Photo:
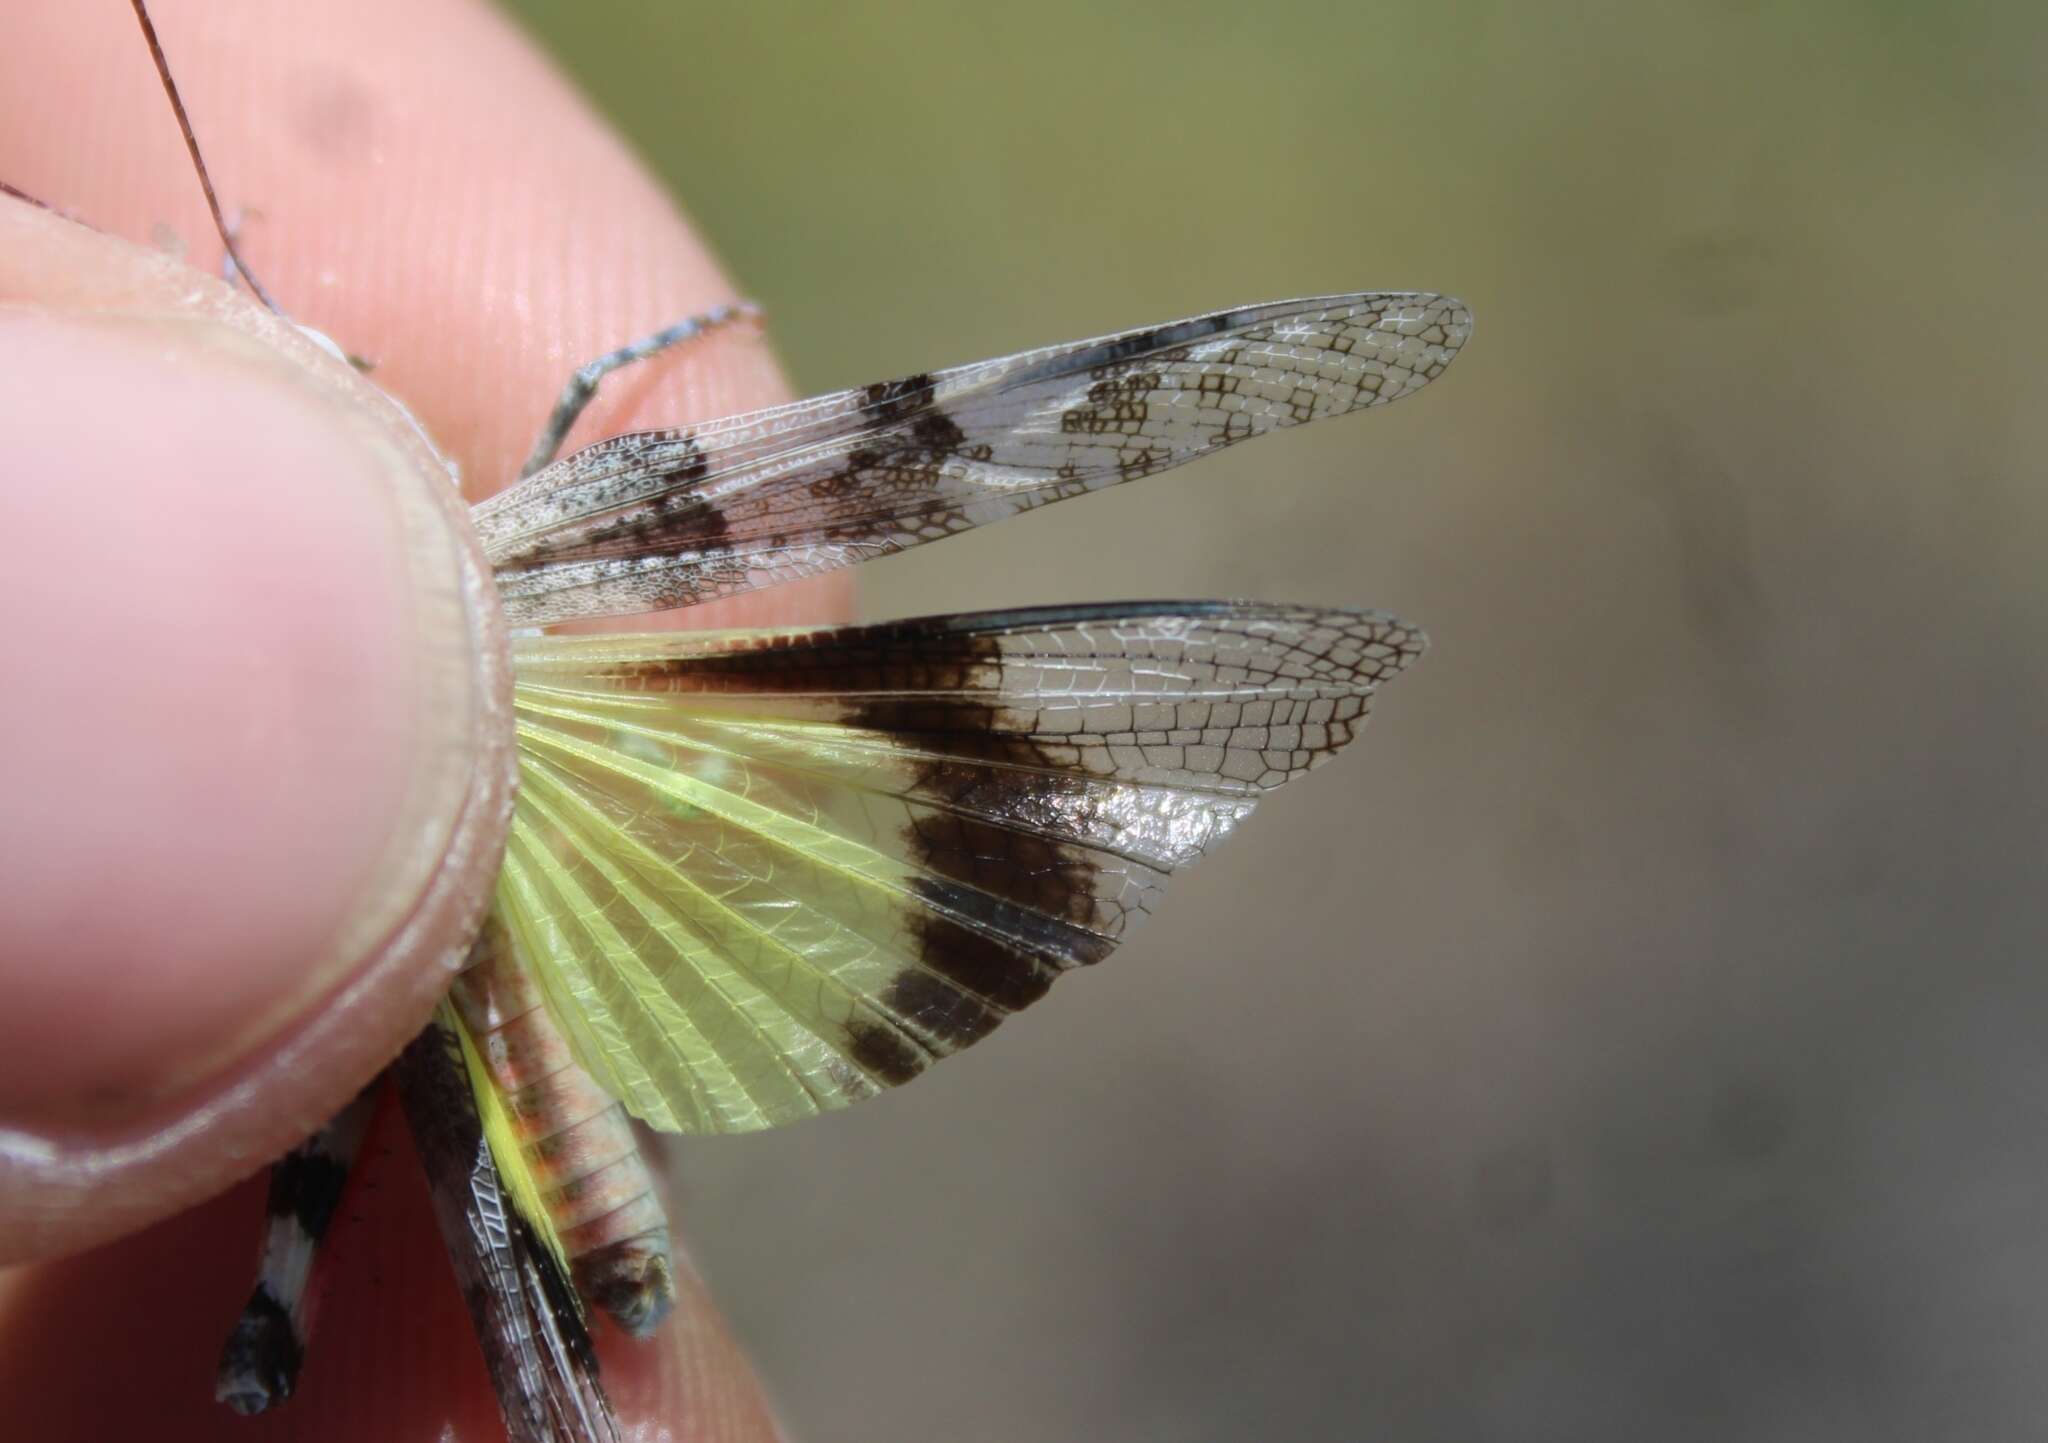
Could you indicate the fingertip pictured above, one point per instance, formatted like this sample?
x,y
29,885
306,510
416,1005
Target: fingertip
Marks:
x,y
233,761
256,802
391,1356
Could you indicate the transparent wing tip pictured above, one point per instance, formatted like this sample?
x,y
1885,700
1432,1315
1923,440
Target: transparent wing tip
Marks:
x,y
1432,319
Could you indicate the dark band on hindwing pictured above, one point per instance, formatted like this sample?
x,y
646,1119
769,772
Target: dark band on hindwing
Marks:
x,y
984,882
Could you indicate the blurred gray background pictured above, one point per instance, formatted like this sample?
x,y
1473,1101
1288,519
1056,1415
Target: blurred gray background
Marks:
x,y
1639,1035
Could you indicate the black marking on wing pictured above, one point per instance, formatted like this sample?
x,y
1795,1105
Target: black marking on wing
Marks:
x,y
793,491
951,1017
913,438
1039,824
991,883
891,402
1183,333
957,809
987,881
1031,871
676,516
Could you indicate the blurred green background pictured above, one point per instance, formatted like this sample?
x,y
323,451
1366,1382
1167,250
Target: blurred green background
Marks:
x,y
1638,1037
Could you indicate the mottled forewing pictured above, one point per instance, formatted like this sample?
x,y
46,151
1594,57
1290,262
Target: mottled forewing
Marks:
x,y
527,1320
761,875
661,519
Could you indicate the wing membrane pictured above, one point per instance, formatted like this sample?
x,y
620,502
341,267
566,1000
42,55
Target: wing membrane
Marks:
x,y
764,874
660,519
528,1322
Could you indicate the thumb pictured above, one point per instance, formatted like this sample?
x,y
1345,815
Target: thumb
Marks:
x,y
256,758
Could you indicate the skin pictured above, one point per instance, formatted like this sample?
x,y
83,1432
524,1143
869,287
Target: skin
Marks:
x,y
223,919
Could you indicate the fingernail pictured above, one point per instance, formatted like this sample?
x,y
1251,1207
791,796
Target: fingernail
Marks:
x,y
241,685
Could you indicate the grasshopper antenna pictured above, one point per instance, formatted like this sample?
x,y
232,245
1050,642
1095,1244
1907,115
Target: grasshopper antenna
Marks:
x,y
227,237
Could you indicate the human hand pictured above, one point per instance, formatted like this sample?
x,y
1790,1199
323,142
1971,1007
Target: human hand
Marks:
x,y
252,760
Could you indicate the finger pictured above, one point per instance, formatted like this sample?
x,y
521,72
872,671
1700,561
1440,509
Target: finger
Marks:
x,y
432,197
260,772
393,1358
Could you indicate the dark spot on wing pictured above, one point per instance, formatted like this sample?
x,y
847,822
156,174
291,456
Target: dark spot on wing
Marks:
x,y
1117,405
936,432
763,665
961,937
891,660
898,461
961,735
676,519
1158,338
920,683
884,1053
939,1010
1005,907
889,402
968,980
693,468
1041,873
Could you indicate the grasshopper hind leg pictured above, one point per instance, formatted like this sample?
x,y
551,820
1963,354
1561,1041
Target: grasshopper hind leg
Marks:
x,y
259,1365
